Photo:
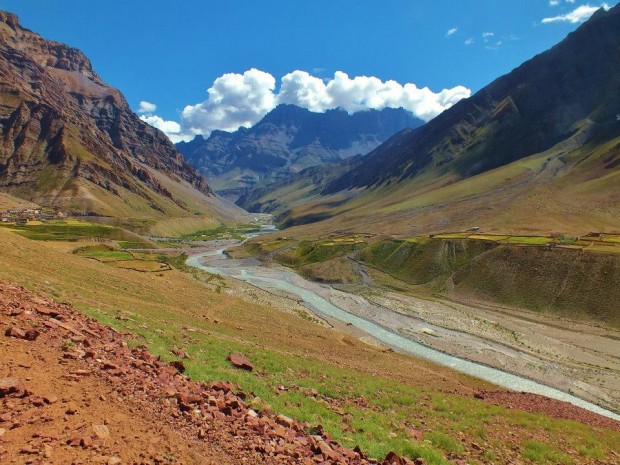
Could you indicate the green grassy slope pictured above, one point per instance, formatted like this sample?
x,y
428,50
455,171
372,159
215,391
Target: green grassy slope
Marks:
x,y
359,393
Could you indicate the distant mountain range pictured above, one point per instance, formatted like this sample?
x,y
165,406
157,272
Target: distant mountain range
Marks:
x,y
68,140
287,140
537,149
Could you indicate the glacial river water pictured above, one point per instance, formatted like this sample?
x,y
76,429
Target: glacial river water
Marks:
x,y
269,279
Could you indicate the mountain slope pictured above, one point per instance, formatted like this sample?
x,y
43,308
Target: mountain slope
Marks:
x,y
287,140
571,88
538,149
70,141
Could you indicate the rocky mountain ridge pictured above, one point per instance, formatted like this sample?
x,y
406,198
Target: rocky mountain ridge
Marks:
x,y
287,140
70,141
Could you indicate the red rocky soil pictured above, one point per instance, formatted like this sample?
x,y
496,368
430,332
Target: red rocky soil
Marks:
x,y
554,408
73,392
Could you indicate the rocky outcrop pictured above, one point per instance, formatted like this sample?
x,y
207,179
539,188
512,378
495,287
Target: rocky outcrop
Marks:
x,y
64,132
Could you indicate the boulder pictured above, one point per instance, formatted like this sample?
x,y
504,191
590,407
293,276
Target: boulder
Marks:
x,y
8,386
239,361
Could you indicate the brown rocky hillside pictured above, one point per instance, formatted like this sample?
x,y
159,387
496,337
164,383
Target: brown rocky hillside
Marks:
x,y
69,140
71,391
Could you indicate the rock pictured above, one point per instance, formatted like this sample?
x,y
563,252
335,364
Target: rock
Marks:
x,y
8,386
180,353
80,372
327,450
101,431
419,461
47,312
32,334
50,399
239,361
178,365
109,365
392,458
13,331
37,401
28,335
29,451
415,434
51,435
285,421
71,410
2,431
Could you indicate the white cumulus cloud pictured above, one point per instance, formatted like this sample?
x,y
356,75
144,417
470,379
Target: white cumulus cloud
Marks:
x,y
451,31
578,15
554,2
147,107
365,92
236,100
172,129
304,90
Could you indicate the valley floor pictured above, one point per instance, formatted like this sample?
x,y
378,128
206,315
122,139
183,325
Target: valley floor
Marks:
x,y
360,393
575,357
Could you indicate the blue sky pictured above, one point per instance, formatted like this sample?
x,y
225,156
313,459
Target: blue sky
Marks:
x,y
169,53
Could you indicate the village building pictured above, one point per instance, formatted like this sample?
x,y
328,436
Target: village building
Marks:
x,y
13,215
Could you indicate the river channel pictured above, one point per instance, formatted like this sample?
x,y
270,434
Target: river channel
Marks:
x,y
311,296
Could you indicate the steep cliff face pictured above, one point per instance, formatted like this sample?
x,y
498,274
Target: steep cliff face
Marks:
x,y
69,140
287,140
